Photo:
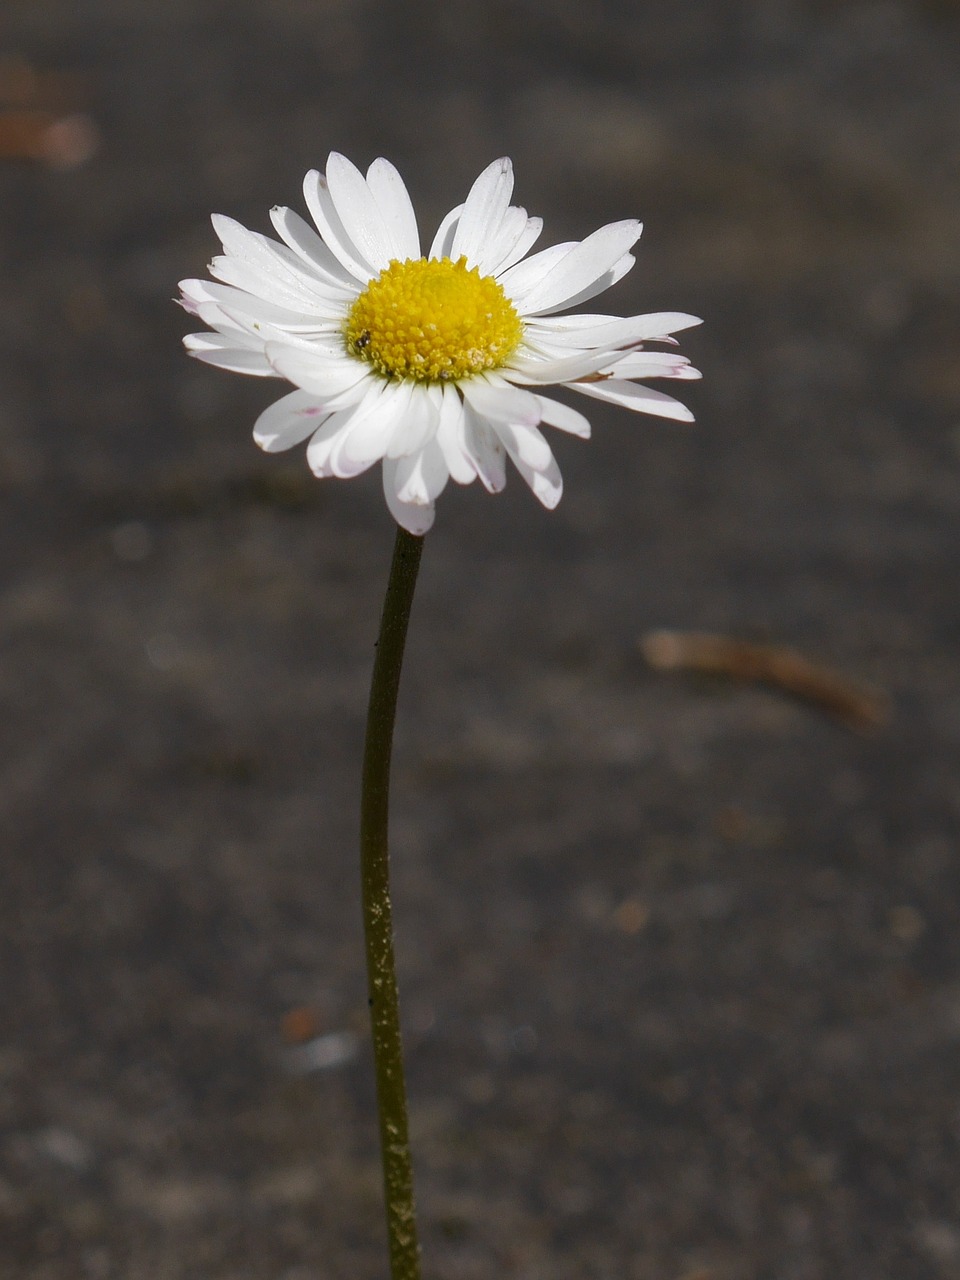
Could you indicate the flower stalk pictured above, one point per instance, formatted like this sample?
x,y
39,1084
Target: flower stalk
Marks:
x,y
377,914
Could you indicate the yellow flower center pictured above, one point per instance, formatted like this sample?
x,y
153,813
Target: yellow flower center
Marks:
x,y
433,320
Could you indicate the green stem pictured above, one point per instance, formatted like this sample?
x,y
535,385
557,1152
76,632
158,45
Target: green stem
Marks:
x,y
377,920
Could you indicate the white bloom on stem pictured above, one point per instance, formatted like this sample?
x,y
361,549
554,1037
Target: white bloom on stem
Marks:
x,y
434,365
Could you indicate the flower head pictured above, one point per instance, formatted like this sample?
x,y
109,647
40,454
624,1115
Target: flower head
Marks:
x,y
433,364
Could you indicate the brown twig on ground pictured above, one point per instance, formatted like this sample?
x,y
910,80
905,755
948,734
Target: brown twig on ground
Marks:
x,y
63,141
781,668
39,116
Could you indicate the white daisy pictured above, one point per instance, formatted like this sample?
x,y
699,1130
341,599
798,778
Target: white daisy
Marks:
x,y
434,365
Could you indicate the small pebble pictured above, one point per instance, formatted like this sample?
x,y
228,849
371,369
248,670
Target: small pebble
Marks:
x,y
322,1053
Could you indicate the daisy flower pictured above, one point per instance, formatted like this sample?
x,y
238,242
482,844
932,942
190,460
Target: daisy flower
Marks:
x,y
433,364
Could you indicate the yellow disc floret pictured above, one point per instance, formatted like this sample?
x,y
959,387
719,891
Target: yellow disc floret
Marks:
x,y
433,320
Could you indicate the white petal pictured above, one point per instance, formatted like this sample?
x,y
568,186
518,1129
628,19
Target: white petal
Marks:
x,y
421,417
218,319
616,272
324,214
217,305
226,353
422,477
564,418
485,450
193,293
324,311
534,460
247,330
395,205
519,279
443,240
654,364
483,211
348,442
550,372
324,441
526,444
289,421
451,439
359,212
501,402
579,321
610,331
413,517
581,269
316,257
275,265
189,304
512,226
235,338
314,373
296,283
260,309
525,241
631,395
371,430
324,344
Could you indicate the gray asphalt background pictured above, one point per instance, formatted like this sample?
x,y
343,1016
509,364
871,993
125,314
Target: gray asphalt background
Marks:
x,y
679,959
